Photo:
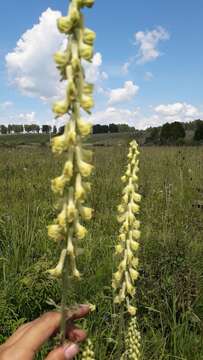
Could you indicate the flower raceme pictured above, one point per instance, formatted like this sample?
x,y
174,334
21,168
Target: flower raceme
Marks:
x,y
70,186
126,249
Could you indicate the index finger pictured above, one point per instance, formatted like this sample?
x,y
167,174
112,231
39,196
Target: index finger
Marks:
x,y
45,327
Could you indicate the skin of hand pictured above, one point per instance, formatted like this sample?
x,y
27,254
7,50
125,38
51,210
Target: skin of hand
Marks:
x,y
27,340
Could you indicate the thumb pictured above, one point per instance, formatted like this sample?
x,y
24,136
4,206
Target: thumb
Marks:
x,y
67,352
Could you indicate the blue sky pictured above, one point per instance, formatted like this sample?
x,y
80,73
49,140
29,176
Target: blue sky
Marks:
x,y
148,65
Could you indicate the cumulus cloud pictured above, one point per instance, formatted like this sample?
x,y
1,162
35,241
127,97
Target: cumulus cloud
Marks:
x,y
179,111
31,67
147,42
126,93
116,116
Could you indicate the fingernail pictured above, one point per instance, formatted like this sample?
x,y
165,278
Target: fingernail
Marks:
x,y
70,351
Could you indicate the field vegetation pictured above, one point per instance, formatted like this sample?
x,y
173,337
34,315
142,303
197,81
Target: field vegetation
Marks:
x,y
170,290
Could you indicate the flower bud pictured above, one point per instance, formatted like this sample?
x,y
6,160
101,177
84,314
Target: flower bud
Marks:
x,y
86,213
84,127
61,58
60,108
80,231
58,184
55,232
86,51
89,36
87,102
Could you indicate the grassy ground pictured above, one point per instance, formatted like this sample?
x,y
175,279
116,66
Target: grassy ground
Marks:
x,y
170,290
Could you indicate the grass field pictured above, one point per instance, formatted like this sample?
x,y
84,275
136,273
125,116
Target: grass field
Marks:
x,y
170,287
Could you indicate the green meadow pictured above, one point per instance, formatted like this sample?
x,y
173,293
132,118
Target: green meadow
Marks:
x,y
170,287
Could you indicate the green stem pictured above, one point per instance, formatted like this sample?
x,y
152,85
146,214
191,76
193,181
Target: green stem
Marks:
x,y
64,287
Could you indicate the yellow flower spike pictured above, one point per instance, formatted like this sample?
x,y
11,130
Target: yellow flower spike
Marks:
x,y
60,108
88,353
70,186
58,184
55,232
89,36
85,128
123,280
132,339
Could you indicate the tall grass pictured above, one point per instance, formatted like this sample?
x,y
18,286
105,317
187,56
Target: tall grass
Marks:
x,y
170,294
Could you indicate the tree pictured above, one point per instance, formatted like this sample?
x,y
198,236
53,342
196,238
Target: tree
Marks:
x,y
61,130
198,135
170,133
54,130
46,129
113,128
3,129
100,129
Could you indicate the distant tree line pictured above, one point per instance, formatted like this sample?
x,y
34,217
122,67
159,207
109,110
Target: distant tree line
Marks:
x,y
104,129
175,133
33,128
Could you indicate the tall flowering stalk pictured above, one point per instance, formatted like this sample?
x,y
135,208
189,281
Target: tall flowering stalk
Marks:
x,y
71,186
124,278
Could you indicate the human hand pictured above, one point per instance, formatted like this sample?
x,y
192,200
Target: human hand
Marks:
x,y
28,339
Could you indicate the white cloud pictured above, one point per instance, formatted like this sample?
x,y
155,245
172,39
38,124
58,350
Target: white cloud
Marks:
x,y
31,67
27,118
116,116
179,111
148,42
126,93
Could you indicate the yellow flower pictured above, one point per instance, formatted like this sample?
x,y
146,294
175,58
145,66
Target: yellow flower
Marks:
x,y
64,24
60,108
84,127
61,218
88,88
86,51
71,91
68,169
132,310
118,276
87,102
59,144
86,212
134,245
135,208
80,231
85,169
135,262
119,249
79,189
130,288
57,271
88,3
133,274
136,234
137,197
71,211
89,36
61,58
58,184
55,232
76,274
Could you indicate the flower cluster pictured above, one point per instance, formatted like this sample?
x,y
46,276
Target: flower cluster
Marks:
x,y
126,249
71,186
132,342
88,352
